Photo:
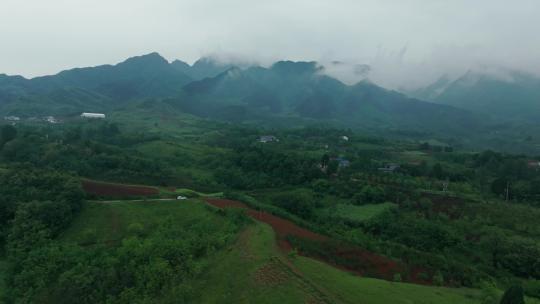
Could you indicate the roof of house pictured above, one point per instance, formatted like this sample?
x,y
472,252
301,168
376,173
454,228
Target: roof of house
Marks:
x,y
390,167
92,114
267,138
533,163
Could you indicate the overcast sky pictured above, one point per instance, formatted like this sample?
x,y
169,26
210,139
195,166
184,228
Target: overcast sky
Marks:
x,y
406,42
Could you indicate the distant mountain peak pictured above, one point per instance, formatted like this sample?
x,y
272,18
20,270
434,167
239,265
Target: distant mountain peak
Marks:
x,y
297,67
180,63
151,58
208,61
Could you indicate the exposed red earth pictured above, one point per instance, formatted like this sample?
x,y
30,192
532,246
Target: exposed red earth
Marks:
x,y
363,262
282,227
116,190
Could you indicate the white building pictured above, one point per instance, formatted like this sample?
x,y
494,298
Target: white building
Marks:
x,y
51,119
12,118
93,115
268,138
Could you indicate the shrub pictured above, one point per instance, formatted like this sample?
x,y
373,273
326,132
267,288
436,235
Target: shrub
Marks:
x,y
532,288
136,229
89,236
423,276
513,295
293,253
438,279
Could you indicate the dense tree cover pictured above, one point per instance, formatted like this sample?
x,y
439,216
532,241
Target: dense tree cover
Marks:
x,y
300,203
257,167
35,205
99,151
48,197
37,201
512,172
417,233
142,269
444,222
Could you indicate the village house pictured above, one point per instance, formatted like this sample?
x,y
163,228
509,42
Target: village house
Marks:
x,y
93,115
12,118
533,164
268,138
389,168
342,162
51,119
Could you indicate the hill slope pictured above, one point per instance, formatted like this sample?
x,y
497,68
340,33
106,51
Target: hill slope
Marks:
x,y
299,89
505,94
257,272
292,90
137,77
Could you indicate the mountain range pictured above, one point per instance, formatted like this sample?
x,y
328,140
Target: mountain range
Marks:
x,y
502,94
283,92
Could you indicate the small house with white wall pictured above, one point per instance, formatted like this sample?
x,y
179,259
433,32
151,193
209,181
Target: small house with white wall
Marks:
x,y
93,115
268,138
12,118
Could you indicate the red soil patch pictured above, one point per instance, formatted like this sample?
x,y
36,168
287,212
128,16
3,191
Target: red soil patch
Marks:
x,y
359,261
282,227
385,268
224,203
106,189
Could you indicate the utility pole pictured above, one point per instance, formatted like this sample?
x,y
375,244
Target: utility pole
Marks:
x,y
445,184
507,190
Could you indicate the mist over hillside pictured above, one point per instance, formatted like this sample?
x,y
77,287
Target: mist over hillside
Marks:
x,y
502,93
211,88
284,94
285,151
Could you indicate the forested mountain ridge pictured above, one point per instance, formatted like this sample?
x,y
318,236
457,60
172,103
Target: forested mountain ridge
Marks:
x,y
298,88
504,94
286,94
301,89
137,77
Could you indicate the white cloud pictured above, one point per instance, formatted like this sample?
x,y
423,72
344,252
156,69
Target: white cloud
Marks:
x,y
42,37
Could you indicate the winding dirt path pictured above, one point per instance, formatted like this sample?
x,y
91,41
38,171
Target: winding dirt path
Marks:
x,y
357,260
282,227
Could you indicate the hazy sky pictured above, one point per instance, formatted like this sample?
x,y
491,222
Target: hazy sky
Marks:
x,y
406,42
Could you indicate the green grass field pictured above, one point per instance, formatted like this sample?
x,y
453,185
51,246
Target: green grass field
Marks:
x,y
348,288
253,271
111,222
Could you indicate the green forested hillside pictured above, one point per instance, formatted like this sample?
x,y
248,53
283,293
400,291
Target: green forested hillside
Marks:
x,y
506,94
286,94
439,217
287,91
